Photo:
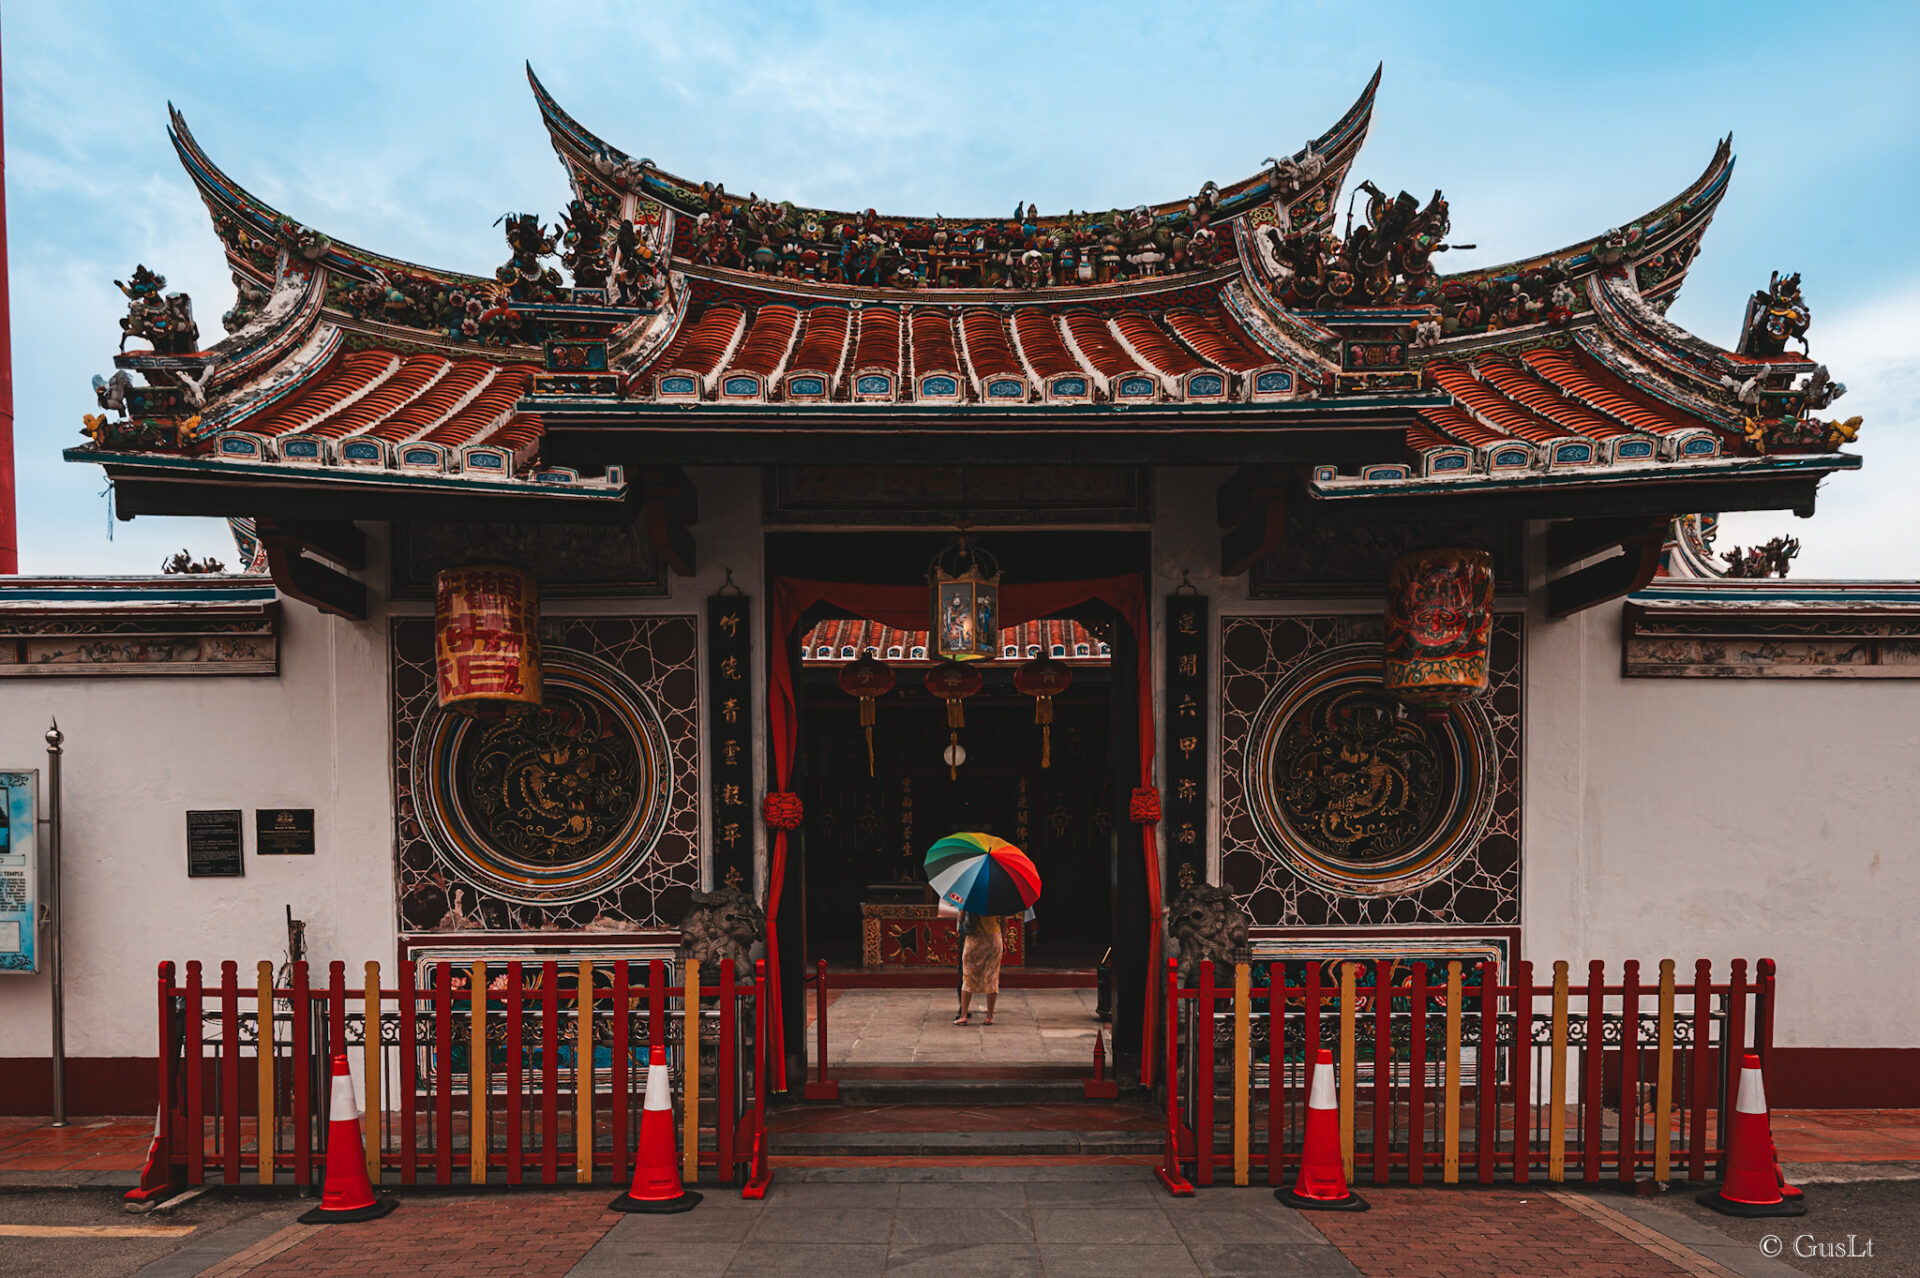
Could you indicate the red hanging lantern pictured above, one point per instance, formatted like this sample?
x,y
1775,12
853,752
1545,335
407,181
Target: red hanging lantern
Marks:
x,y
953,683
1439,622
1043,679
486,639
867,679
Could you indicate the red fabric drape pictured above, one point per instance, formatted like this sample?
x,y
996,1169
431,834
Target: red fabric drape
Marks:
x,y
905,608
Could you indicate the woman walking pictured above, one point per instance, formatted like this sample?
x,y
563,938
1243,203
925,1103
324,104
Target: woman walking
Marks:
x,y
982,943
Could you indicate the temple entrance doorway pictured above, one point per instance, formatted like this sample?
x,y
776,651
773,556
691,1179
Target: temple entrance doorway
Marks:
x,y
855,883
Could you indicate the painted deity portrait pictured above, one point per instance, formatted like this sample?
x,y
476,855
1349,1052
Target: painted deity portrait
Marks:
x,y
956,619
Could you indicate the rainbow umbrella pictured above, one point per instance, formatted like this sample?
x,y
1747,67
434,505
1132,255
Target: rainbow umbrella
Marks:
x,y
980,874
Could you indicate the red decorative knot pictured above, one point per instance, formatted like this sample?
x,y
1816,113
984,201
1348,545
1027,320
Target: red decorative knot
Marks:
x,y
782,810
1144,809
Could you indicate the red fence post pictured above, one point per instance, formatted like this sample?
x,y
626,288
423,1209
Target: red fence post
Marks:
x,y
550,1079
1700,1062
1763,1008
1732,1048
622,1101
160,1169
726,1096
300,1065
515,1063
1203,1076
1522,1071
336,1011
822,1088
1593,1062
1276,1068
229,1119
1417,1075
409,1080
443,1072
1629,1069
195,1067
1169,1172
1487,1106
1382,1070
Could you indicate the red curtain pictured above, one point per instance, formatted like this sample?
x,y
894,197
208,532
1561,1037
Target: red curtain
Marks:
x,y
906,608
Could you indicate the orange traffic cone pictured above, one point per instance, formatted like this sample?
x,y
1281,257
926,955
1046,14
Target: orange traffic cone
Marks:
x,y
656,1169
348,1194
1752,1183
1323,1180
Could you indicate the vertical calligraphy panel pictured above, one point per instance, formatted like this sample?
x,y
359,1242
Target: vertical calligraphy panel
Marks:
x,y
1185,719
730,734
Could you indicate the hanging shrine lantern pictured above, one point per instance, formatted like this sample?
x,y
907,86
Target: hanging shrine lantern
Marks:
x,y
1439,622
953,683
965,618
486,640
1043,679
867,679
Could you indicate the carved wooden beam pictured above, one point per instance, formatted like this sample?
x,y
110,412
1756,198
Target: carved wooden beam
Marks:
x,y
1610,578
1252,506
1575,539
294,552
669,502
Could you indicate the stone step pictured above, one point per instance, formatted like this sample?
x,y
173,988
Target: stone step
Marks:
x,y
972,1143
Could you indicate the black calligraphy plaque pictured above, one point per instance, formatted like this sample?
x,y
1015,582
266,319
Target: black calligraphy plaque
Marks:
x,y
283,831
214,849
1184,804
730,732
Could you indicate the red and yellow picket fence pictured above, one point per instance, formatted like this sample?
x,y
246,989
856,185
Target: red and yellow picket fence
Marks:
x,y
1450,1075
504,1094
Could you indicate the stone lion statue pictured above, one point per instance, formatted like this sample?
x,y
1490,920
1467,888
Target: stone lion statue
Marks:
x,y
1204,923
721,925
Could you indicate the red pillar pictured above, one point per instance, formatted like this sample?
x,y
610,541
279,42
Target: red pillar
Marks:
x,y
9,534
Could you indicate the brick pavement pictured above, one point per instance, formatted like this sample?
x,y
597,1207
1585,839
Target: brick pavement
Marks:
x,y
468,1236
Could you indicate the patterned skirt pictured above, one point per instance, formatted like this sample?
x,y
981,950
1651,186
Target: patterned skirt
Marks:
x,y
980,957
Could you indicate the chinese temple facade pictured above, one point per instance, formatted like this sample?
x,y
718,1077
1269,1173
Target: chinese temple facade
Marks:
x,y
1380,598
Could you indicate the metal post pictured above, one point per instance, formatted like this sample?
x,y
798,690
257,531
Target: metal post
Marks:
x,y
54,956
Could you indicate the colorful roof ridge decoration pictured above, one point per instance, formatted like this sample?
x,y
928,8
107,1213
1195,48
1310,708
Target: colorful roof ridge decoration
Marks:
x,y
841,641
1238,317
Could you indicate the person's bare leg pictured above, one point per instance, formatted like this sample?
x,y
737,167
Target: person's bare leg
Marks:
x,y
966,1000
991,1000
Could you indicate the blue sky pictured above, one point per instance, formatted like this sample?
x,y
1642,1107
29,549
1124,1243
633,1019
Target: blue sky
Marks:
x,y
408,128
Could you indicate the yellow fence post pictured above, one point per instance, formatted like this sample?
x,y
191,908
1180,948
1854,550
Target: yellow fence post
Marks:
x,y
372,1053
265,1127
690,1076
1242,1071
477,1072
1557,1086
1451,1169
1347,1069
583,1075
1663,1087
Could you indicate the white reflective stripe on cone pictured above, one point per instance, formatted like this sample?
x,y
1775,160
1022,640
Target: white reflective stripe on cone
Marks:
x,y
1322,1097
1753,1097
659,1095
345,1107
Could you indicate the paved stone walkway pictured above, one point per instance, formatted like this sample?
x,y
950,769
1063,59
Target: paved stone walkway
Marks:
x,y
915,1027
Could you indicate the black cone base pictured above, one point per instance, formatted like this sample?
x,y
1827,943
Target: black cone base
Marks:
x,y
687,1201
1727,1207
372,1211
1352,1202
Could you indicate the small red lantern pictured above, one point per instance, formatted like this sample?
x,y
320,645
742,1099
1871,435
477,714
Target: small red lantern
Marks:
x,y
953,683
1043,679
867,679
1439,622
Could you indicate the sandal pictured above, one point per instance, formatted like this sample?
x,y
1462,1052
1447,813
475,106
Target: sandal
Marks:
x,y
964,1019
989,1019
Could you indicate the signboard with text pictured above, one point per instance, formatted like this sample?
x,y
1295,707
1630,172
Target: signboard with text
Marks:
x,y
19,870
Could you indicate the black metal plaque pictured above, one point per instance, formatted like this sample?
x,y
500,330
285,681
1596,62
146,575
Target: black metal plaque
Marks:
x,y
283,831
214,849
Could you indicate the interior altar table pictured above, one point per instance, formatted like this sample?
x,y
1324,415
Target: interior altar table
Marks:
x,y
899,934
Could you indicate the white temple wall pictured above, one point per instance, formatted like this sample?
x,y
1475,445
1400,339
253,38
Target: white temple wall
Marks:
x,y
1724,818
141,752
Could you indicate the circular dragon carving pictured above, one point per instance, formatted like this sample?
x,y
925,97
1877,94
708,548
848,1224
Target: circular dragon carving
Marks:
x,y
556,804
1353,791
